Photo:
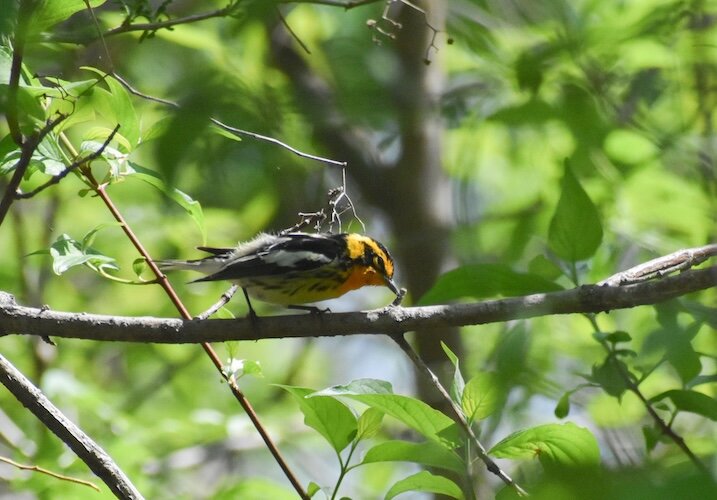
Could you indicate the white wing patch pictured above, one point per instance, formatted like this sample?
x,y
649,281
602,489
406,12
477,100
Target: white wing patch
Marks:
x,y
290,259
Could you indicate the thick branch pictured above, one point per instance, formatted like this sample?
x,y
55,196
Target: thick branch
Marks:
x,y
81,444
15,319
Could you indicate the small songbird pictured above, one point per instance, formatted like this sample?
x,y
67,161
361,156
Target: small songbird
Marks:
x,y
297,268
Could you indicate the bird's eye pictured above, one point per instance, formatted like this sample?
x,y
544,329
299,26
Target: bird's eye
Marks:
x,y
378,264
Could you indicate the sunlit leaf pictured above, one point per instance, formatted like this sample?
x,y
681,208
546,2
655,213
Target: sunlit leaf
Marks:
x,y
191,206
458,383
565,444
369,423
416,414
426,482
482,396
429,454
328,416
47,13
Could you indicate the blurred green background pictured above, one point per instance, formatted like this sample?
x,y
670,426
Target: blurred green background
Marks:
x,y
456,129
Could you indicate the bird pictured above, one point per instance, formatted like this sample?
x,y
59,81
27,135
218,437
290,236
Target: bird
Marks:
x,y
296,268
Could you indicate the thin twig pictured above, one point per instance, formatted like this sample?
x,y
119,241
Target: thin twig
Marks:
x,y
228,128
100,189
164,283
633,387
345,4
55,179
149,27
42,470
291,31
458,415
223,300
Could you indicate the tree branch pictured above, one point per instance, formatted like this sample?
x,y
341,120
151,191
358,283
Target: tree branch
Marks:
x,y
81,444
148,27
16,319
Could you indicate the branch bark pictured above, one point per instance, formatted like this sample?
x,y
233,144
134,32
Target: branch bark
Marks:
x,y
79,442
17,319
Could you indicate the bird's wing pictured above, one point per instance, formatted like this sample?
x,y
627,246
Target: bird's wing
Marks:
x,y
292,252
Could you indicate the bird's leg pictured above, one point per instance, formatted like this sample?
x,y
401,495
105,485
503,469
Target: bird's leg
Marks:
x,y
252,313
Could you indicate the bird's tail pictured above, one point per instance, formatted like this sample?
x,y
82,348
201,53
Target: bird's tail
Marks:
x,y
207,266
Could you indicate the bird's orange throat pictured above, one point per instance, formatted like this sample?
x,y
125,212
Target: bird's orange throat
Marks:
x,y
362,276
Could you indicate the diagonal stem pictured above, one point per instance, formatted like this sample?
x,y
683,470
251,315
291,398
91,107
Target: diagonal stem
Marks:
x,y
457,414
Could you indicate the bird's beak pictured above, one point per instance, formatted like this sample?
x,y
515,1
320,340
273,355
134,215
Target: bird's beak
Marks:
x,y
399,292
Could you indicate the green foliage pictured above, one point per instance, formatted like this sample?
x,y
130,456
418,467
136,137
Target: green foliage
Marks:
x,y
565,444
485,280
623,90
575,230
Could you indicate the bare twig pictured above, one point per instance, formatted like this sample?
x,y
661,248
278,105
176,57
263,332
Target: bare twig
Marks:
x,y
662,266
234,130
223,300
42,470
458,415
15,319
82,445
272,140
55,179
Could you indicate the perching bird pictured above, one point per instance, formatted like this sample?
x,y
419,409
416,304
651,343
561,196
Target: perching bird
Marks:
x,y
297,268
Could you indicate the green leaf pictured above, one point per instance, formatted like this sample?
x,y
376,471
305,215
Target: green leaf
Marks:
x,y
116,160
565,444
614,337
691,401
116,106
67,253
629,147
485,280
313,489
139,266
458,383
369,423
562,409
610,376
429,454
575,230
425,481
328,416
416,414
540,265
191,206
482,396
50,12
